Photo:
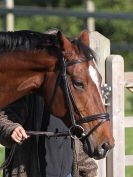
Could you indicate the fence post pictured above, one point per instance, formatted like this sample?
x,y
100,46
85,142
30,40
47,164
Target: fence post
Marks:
x,y
9,19
115,78
101,46
90,7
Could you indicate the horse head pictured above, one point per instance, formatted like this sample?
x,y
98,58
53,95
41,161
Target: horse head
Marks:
x,y
73,93
64,71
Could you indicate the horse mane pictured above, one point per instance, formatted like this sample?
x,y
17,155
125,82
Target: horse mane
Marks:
x,y
26,40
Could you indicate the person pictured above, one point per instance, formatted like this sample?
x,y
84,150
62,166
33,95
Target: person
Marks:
x,y
34,156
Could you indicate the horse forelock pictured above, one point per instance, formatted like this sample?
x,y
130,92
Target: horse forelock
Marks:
x,y
26,40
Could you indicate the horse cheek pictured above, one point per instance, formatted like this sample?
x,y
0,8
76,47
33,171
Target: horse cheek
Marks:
x,y
59,108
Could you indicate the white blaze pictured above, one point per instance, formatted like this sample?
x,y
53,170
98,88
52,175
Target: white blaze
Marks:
x,y
94,76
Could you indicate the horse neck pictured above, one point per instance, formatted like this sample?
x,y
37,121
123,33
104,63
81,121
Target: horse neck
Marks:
x,y
27,60
21,73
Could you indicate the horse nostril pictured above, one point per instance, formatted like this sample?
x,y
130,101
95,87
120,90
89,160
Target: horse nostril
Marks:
x,y
105,146
101,151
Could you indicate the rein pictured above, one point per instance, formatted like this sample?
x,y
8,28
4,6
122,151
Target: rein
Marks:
x,y
6,163
70,133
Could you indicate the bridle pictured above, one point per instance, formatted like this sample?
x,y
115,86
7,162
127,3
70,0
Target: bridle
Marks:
x,y
76,124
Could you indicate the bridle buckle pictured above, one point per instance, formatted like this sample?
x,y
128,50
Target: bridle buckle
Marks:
x,y
76,132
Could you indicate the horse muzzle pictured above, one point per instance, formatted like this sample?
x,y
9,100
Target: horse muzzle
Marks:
x,y
98,152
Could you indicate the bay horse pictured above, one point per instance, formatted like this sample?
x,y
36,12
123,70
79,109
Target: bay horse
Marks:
x,y
64,72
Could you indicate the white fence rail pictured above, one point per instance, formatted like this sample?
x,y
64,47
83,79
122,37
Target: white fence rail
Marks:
x,y
128,79
128,122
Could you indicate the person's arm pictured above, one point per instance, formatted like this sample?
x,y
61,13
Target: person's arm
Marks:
x,y
11,121
19,134
6,129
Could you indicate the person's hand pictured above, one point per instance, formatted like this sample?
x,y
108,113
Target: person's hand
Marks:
x,y
19,134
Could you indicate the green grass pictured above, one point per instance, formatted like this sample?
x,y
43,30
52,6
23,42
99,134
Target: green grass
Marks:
x,y
1,155
129,141
128,131
129,171
1,158
129,149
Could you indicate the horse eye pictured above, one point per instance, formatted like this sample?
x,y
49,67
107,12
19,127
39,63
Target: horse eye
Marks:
x,y
78,84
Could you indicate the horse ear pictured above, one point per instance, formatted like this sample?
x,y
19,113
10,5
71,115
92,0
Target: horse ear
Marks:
x,y
84,37
31,83
64,42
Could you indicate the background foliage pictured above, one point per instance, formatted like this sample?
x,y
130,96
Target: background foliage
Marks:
x,y
118,31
